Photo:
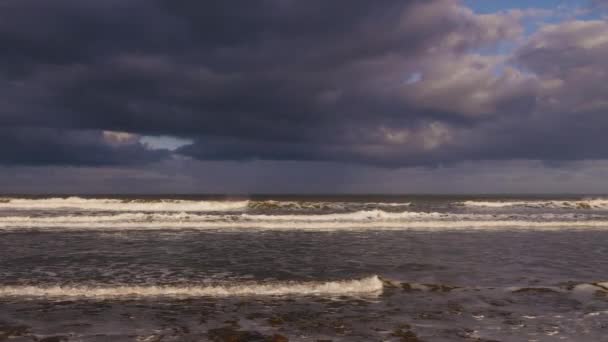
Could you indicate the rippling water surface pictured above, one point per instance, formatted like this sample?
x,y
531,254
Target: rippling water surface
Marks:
x,y
304,269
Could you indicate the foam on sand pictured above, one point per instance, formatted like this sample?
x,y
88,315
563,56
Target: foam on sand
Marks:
x,y
367,286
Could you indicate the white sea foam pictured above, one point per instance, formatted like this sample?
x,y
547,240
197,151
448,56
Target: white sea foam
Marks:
x,y
582,204
363,215
367,286
159,205
120,204
375,219
297,205
321,205
386,204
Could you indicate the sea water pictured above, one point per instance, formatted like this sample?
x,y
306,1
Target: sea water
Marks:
x,y
340,268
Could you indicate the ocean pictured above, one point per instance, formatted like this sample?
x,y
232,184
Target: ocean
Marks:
x,y
304,268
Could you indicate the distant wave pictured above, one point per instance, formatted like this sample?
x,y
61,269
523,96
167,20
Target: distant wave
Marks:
x,y
321,205
372,219
120,204
295,205
367,286
582,204
168,205
363,215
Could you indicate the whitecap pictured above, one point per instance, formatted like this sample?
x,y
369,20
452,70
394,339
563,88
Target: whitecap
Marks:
x,y
101,204
367,286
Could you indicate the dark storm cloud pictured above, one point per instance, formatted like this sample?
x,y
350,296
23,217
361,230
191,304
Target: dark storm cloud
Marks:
x,y
389,83
42,146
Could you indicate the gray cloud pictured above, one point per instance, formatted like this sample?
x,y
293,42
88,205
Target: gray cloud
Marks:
x,y
574,79
401,84
43,146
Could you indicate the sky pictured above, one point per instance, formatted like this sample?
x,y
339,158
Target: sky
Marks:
x,y
294,96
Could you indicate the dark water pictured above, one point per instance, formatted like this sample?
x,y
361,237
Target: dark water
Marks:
x,y
304,268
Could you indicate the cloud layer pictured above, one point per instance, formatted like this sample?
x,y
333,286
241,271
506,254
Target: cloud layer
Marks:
x,y
404,83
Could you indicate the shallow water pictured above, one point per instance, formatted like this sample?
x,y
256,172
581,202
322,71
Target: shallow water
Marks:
x,y
341,269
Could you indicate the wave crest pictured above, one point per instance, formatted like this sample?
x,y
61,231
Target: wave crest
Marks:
x,y
582,204
374,219
176,205
367,286
120,204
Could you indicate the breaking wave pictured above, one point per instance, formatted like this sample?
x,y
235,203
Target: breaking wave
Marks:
x,y
120,204
295,205
322,205
174,205
582,204
373,219
367,286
